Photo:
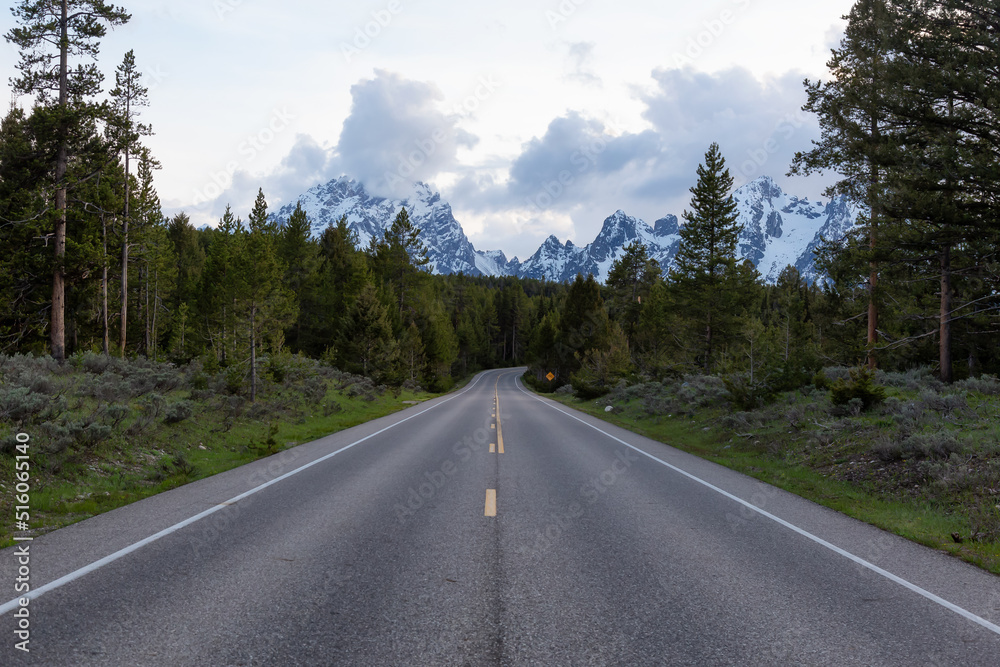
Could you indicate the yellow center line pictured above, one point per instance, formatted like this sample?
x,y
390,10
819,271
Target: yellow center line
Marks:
x,y
493,447
496,397
491,502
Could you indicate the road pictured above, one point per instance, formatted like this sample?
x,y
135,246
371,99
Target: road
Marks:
x,y
407,541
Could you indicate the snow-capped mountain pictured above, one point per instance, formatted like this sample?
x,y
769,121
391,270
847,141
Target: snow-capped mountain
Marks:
x,y
448,247
777,230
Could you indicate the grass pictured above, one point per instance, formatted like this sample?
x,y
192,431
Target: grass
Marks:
x,y
165,427
924,465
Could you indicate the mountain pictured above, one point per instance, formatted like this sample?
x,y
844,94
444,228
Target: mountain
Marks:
x,y
448,247
777,230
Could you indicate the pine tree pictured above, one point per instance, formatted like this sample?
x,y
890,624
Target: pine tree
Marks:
x,y
366,340
72,27
264,300
127,97
703,276
630,280
400,257
299,255
857,140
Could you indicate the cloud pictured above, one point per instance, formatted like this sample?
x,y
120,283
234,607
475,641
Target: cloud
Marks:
x,y
759,125
581,55
396,133
306,164
581,169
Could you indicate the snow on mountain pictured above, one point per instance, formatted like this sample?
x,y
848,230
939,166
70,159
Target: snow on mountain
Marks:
x,y
777,230
369,216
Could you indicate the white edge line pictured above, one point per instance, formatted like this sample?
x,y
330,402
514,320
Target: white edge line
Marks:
x,y
968,615
87,569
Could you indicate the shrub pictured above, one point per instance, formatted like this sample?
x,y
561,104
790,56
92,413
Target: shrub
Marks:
x,y
861,386
821,381
106,388
20,405
946,404
94,363
178,412
747,394
234,380
114,414
92,434
987,385
152,405
915,380
702,391
940,445
314,389
984,520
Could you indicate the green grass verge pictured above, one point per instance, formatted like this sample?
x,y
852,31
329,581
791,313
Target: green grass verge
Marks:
x,y
794,466
145,452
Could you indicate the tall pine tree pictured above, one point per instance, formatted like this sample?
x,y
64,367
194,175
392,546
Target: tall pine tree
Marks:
x,y
704,274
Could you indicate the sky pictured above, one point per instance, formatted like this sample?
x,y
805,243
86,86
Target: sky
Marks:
x,y
531,117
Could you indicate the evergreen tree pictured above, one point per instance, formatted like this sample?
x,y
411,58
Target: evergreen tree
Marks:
x,y
583,326
367,343
262,298
630,280
127,97
704,272
857,139
47,35
300,256
400,258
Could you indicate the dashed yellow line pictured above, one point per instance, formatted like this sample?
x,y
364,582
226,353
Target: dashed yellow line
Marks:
x,y
496,399
491,503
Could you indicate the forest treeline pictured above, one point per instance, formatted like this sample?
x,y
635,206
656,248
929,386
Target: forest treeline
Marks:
x,y
909,123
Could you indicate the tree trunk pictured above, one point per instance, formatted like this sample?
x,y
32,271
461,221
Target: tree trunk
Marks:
x,y
58,315
148,330
945,336
253,354
124,322
106,342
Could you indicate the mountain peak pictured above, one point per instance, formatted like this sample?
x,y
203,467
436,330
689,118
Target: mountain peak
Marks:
x,y
776,230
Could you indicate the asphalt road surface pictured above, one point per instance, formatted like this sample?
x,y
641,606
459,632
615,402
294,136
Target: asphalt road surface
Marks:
x,y
445,535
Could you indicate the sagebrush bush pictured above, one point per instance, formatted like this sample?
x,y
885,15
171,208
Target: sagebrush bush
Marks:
x,y
114,414
915,380
178,412
702,391
987,385
314,389
20,405
106,388
946,404
939,445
